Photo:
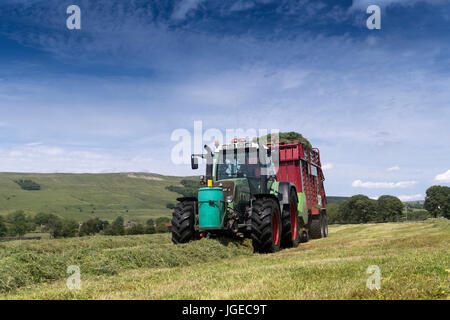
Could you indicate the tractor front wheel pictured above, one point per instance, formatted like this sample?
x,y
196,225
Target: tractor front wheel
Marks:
x,y
183,221
266,226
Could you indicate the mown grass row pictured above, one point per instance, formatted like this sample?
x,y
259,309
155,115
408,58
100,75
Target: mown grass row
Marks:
x,y
23,263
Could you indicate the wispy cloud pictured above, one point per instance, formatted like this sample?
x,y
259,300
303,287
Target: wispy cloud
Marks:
x,y
183,8
394,168
43,158
383,185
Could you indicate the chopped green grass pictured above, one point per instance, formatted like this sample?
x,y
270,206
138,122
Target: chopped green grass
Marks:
x,y
414,259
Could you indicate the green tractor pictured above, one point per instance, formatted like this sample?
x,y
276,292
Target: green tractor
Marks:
x,y
241,197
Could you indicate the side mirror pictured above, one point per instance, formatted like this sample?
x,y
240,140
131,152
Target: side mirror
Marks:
x,y
194,163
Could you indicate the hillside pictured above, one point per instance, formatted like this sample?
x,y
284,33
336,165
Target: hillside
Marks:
x,y
413,258
135,196
335,199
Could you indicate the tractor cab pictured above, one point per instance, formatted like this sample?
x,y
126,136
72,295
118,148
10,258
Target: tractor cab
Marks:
x,y
244,163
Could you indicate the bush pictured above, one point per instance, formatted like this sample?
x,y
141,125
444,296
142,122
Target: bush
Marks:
x,y
189,188
42,218
28,185
69,229
161,224
333,214
136,229
3,229
161,228
437,201
389,209
358,209
150,226
150,229
116,228
92,226
162,220
418,215
20,224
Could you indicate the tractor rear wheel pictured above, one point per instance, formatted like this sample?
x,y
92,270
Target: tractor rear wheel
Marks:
x,y
316,227
266,225
291,225
183,220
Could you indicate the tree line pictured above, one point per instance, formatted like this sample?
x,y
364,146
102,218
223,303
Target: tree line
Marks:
x,y
18,224
361,209
188,188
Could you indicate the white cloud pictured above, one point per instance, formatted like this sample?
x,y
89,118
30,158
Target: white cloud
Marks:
x,y
48,159
242,5
383,185
443,177
327,166
411,198
32,144
395,168
184,7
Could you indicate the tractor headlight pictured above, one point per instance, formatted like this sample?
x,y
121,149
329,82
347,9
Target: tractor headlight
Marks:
x,y
229,199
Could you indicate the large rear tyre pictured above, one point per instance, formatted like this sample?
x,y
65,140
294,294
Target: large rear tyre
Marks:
x,y
291,226
316,228
266,226
183,221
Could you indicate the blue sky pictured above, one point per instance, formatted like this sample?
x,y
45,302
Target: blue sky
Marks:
x,y
107,98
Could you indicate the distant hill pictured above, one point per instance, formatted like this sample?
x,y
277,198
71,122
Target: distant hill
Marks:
x,y
338,200
135,196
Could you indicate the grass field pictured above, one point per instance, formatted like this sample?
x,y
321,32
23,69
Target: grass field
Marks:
x,y
135,196
414,259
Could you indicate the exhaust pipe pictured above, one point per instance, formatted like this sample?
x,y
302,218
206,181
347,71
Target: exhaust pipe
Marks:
x,y
209,163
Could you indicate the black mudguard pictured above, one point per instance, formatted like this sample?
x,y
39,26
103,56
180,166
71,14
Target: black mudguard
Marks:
x,y
284,189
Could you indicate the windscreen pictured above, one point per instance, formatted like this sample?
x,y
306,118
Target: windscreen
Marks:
x,y
238,163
